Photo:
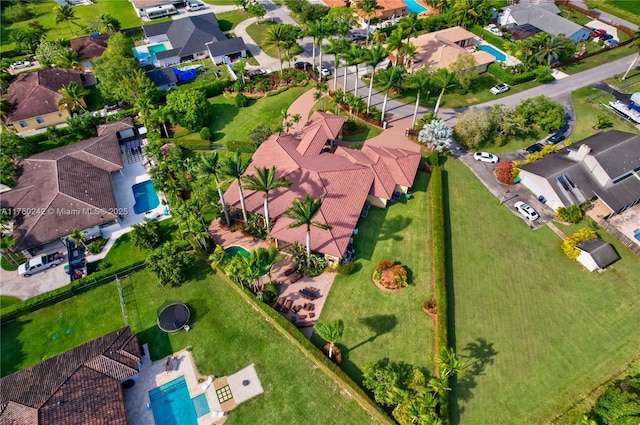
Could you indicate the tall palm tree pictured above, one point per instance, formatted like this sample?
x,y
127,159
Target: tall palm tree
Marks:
x,y
210,165
65,14
72,97
337,47
354,56
395,41
636,45
443,79
234,168
420,81
369,7
410,24
550,47
374,56
302,212
320,30
409,52
296,120
391,78
68,59
276,37
330,332
264,180
6,243
78,237
241,68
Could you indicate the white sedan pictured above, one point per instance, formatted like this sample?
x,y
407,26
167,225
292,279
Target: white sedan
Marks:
x,y
526,210
20,65
493,29
324,71
485,157
500,88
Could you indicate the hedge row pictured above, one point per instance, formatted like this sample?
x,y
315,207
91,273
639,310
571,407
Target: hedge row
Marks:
x,y
499,42
430,24
512,79
193,144
240,146
440,274
289,331
77,287
215,88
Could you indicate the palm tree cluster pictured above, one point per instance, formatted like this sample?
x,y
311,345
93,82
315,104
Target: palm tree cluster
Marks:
x,y
283,37
541,49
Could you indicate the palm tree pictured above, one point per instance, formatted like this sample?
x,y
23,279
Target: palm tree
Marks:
x,y
443,78
210,166
108,23
319,30
391,78
78,237
330,332
296,119
72,97
421,81
369,7
636,44
550,47
241,68
354,56
410,24
302,212
395,42
234,168
65,14
337,47
264,180
374,56
409,52
449,363
5,107
265,259
68,59
276,37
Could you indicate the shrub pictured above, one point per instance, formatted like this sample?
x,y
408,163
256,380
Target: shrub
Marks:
x,y
192,144
242,147
241,100
569,244
205,133
390,275
504,172
347,269
169,264
604,121
146,235
543,74
17,12
96,246
255,226
259,134
215,88
439,259
571,214
508,77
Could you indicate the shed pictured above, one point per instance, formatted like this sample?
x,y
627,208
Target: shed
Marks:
x,y
596,254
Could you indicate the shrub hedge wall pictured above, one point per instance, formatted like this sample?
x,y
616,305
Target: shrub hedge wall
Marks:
x,y
512,79
193,144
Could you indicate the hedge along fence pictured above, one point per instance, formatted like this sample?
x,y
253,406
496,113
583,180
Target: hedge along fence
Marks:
x,y
77,287
312,352
506,76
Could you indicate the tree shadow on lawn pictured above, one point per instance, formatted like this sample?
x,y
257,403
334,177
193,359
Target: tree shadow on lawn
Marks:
x,y
158,340
13,354
199,309
379,324
222,114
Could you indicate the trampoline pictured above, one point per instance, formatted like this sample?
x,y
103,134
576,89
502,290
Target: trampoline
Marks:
x,y
173,317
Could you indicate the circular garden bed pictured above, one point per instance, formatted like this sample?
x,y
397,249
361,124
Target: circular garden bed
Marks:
x,y
389,276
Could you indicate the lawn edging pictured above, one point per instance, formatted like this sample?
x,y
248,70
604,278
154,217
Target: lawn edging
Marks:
x,y
312,352
30,305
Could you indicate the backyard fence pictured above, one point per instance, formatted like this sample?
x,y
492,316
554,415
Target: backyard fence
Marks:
x,y
78,287
594,15
626,241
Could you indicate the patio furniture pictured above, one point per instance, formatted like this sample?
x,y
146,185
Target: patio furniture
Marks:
x,y
289,271
302,316
287,305
296,277
206,384
312,315
279,304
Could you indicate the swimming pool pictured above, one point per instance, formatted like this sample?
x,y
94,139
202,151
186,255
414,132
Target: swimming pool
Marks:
x,y
172,404
145,197
232,251
414,7
500,57
157,48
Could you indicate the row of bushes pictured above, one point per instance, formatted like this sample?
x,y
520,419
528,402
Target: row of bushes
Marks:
x,y
77,287
499,42
430,24
192,144
289,331
212,88
504,75
241,146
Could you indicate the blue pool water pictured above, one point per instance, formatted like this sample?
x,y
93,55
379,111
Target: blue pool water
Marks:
x,y
232,251
145,197
171,404
201,405
501,57
414,7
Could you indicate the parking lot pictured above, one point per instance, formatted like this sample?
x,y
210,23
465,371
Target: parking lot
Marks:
x,y
511,194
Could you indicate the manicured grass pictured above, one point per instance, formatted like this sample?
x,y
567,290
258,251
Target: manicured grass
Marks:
x,y
551,331
574,15
6,301
378,324
122,10
629,86
228,20
226,335
94,99
220,2
534,135
593,61
7,265
230,123
625,9
368,132
587,113
258,32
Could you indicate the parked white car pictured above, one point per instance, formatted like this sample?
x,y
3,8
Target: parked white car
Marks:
x,y
324,71
493,29
20,65
192,7
527,211
485,157
500,88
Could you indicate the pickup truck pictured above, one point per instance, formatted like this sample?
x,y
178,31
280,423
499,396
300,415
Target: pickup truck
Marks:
x,y
38,264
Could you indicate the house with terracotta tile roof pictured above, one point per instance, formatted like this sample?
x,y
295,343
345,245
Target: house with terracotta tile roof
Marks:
x,y
32,97
80,386
440,49
344,178
66,188
89,48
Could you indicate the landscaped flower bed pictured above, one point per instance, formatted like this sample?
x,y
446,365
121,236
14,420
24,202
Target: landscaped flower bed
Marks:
x,y
390,276
274,83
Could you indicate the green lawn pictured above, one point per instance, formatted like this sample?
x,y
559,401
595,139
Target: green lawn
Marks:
x,y
228,20
587,113
258,32
574,16
379,324
629,86
6,301
593,61
7,265
537,331
368,131
220,2
226,335
230,123
534,135
625,9
122,10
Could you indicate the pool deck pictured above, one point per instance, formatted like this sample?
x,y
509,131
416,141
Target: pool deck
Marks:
x,y
510,61
243,384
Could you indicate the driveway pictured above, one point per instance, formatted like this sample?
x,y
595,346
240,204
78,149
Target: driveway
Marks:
x,y
27,287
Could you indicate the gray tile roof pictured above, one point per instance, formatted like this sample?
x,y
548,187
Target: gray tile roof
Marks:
x,y
601,252
79,386
163,76
227,47
544,18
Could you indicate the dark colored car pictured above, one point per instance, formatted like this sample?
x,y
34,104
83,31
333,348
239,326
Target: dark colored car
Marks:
x,y
606,37
536,147
302,65
597,32
556,138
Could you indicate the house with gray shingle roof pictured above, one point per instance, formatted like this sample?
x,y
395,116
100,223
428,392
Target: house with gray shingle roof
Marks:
x,y
596,254
191,38
604,167
66,188
79,386
344,178
542,16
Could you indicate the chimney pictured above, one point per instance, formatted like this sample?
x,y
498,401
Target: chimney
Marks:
x,y
580,154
